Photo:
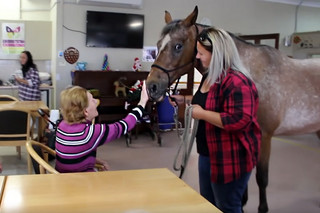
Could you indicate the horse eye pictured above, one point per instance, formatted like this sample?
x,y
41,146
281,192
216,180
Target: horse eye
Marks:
x,y
178,47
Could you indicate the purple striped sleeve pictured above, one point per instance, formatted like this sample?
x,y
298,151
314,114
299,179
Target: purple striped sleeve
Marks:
x,y
123,126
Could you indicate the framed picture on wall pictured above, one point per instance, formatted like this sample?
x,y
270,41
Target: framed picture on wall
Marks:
x,y
149,53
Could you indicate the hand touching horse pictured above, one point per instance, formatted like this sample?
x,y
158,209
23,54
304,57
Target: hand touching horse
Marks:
x,y
289,89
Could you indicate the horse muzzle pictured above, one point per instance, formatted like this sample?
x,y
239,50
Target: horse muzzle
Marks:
x,y
156,90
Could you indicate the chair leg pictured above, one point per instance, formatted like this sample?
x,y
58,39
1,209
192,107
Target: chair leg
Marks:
x,y
45,156
29,164
32,127
18,148
42,170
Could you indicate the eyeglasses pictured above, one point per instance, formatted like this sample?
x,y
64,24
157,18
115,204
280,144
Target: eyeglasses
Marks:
x,y
203,36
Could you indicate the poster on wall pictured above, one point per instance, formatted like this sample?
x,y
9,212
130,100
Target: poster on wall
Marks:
x,y
13,41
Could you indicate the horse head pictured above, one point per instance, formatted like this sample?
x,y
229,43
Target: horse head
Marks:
x,y
176,54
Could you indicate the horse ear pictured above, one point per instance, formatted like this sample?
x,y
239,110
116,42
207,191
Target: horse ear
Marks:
x,y
167,17
192,18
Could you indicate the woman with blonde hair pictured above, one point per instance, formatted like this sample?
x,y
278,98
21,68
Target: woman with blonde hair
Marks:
x,y
77,139
228,137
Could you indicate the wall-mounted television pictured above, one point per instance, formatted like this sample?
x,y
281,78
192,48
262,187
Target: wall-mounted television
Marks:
x,y
117,30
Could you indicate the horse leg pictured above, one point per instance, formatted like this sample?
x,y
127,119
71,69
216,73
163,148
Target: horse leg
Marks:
x,y
244,198
263,171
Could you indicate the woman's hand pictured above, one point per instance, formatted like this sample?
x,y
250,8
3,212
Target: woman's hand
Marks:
x,y
211,117
197,112
17,79
144,97
20,80
177,99
104,164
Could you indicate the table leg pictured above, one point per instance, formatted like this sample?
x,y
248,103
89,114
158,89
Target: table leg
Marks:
x,y
41,125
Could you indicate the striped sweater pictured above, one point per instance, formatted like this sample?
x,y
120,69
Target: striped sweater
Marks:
x,y
76,144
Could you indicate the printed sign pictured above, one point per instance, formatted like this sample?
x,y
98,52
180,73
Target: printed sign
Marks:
x,y
13,41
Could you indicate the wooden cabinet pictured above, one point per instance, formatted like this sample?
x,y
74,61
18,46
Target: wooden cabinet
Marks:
x,y
111,108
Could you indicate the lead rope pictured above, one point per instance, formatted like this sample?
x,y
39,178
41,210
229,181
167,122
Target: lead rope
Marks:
x,y
186,142
178,124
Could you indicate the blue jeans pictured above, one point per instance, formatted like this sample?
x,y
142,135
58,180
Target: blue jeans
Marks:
x,y
205,178
228,196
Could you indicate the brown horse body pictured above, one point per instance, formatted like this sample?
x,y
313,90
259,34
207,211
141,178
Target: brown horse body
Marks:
x,y
289,89
289,99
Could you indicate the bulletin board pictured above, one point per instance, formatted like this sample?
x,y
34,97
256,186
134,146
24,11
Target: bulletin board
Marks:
x,y
306,40
37,39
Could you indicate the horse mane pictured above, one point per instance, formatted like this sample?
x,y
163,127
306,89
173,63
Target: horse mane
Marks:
x,y
175,25
171,26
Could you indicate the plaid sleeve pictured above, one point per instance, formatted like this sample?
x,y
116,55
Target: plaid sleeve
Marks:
x,y
238,108
34,77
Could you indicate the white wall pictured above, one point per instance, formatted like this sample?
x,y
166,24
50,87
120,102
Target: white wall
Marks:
x,y
244,17
247,17
9,10
35,10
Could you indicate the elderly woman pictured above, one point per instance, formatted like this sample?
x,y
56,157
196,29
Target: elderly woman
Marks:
x,y
78,139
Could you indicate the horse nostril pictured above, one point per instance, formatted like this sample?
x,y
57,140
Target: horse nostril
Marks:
x,y
153,88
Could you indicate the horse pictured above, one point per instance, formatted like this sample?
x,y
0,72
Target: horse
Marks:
x,y
289,89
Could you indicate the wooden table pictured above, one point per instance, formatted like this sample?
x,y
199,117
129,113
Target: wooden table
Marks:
x,y
30,106
13,90
135,191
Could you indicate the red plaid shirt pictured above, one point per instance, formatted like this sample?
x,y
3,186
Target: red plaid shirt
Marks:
x,y
233,150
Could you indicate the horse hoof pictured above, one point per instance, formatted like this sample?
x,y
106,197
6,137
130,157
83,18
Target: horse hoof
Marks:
x,y
263,209
318,134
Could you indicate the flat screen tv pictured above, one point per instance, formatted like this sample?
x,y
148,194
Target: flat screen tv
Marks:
x,y
118,30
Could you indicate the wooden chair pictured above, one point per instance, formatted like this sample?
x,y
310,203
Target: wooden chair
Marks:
x,y
8,98
11,98
15,129
44,166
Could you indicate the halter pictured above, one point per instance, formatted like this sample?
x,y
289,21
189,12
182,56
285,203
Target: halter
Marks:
x,y
167,71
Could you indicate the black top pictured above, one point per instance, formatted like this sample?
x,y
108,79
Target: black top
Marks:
x,y
200,99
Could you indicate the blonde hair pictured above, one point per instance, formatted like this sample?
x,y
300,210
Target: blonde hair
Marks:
x,y
225,54
74,101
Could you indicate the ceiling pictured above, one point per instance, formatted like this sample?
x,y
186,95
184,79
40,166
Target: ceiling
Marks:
x,y
307,3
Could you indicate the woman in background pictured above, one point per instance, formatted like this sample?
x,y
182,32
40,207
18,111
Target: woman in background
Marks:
x,y
28,85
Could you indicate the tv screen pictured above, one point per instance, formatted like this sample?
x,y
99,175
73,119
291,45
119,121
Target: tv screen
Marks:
x,y
119,30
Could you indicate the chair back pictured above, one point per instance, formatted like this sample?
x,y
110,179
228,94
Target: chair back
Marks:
x,y
8,98
44,166
14,125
